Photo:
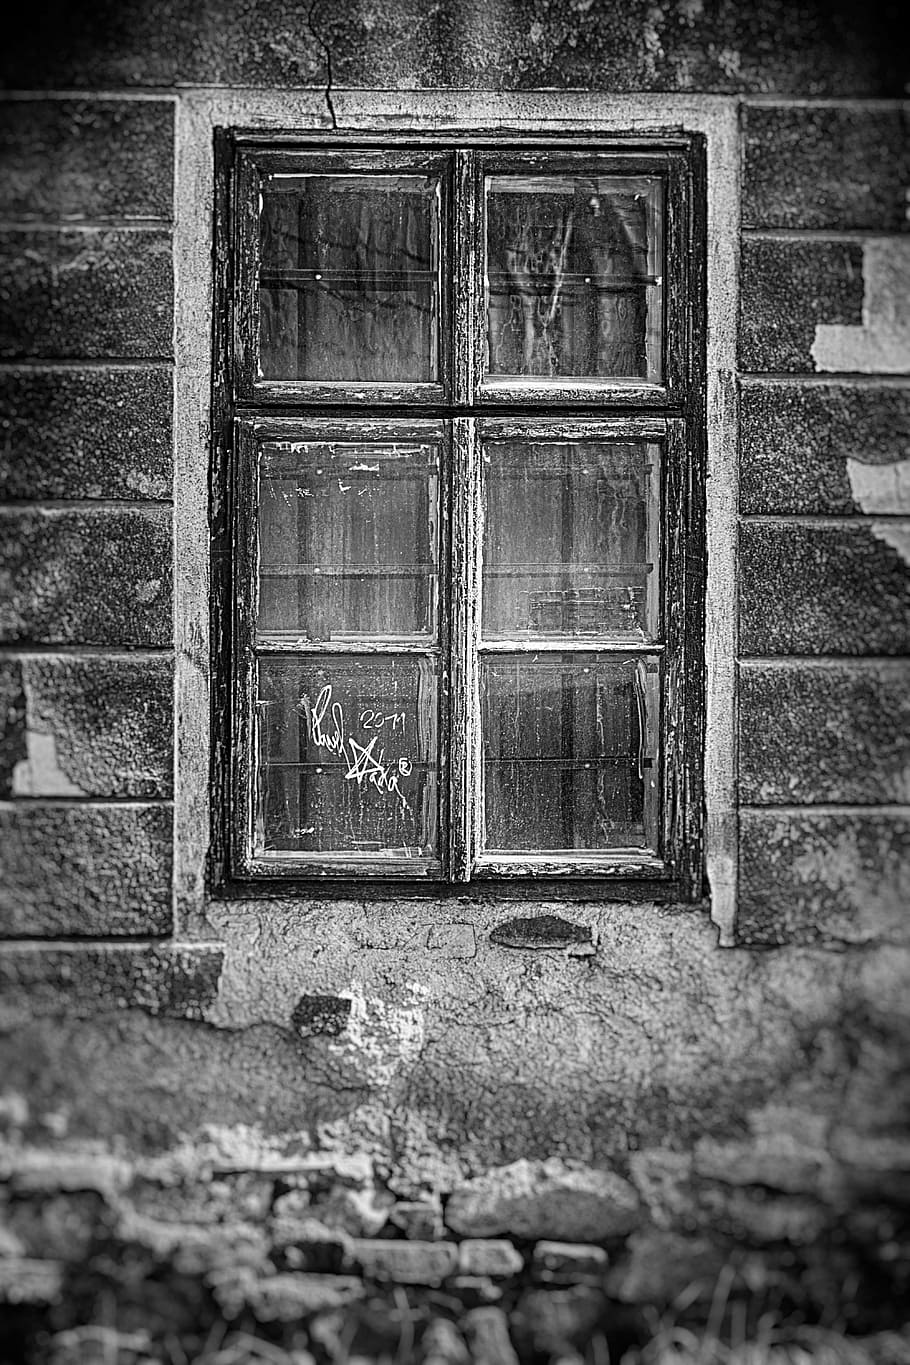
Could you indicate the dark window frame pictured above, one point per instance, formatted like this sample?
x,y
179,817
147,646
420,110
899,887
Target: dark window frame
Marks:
x,y
671,412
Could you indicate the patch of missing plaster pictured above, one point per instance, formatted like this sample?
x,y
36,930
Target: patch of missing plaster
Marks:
x,y
40,773
898,537
542,931
880,487
386,1038
882,344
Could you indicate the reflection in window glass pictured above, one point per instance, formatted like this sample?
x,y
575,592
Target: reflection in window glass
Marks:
x,y
570,539
570,752
574,270
349,278
348,540
348,756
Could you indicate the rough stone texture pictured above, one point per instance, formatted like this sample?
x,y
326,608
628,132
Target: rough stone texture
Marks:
x,y
824,589
71,159
808,877
405,1262
85,577
796,444
489,1256
809,49
811,733
568,1262
786,289
102,870
93,727
826,167
548,1198
70,433
86,292
179,983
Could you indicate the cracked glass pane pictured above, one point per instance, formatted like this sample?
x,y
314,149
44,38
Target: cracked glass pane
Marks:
x,y
349,278
574,269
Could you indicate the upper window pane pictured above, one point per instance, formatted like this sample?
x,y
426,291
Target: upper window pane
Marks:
x,y
571,539
349,278
573,273
348,540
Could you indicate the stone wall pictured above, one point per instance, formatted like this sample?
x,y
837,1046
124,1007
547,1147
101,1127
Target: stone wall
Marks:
x,y
550,1127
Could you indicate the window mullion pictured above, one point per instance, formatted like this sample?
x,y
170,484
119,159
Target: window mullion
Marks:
x,y
464,762
467,312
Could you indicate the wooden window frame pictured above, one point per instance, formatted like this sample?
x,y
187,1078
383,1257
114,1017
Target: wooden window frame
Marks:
x,y
247,409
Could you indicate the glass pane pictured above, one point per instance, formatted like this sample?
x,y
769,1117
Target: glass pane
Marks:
x,y
348,756
574,268
348,538
349,278
571,539
570,752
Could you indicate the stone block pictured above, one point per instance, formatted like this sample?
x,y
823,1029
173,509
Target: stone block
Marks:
x,y
660,1265
815,877
568,1262
67,159
552,1199
487,1333
91,727
88,576
557,1321
405,1262
86,292
489,1256
419,1219
824,448
833,732
72,870
92,433
788,287
824,589
825,166
178,983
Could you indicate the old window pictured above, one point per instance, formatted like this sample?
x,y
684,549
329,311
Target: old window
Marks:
x,y
459,512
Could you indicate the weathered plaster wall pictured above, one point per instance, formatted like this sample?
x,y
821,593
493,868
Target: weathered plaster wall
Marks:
x,y
295,1078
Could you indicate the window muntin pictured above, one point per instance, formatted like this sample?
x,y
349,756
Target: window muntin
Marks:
x,y
504,603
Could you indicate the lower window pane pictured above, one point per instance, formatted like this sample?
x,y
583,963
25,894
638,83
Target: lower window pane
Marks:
x,y
348,756
570,758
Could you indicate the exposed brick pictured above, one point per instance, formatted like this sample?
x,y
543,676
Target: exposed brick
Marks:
x,y
795,443
825,732
823,589
100,726
786,289
180,983
85,577
86,292
70,159
568,1262
824,166
405,1262
71,870
489,1256
70,433
815,876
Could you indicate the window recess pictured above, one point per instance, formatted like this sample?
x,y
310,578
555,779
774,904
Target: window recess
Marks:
x,y
464,415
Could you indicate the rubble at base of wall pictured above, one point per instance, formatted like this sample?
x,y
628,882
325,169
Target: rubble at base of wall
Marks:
x,y
230,1249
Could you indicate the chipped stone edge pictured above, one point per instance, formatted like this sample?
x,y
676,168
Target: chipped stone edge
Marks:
x,y
198,113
